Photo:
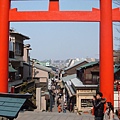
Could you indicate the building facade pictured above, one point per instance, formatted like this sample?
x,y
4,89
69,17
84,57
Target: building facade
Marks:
x,y
16,53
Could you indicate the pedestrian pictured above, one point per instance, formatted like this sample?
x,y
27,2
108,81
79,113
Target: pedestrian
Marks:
x,y
109,113
58,102
71,107
59,108
98,104
92,110
64,107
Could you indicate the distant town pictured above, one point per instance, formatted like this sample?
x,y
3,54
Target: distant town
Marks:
x,y
65,63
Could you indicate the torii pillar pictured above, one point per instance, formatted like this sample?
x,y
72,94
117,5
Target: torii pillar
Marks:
x,y
4,44
106,50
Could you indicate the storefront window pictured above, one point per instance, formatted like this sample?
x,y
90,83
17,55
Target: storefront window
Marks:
x,y
86,103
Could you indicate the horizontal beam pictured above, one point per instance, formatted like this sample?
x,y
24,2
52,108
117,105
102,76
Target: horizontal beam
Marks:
x,y
116,15
59,16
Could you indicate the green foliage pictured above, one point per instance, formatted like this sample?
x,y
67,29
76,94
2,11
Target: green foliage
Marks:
x,y
25,89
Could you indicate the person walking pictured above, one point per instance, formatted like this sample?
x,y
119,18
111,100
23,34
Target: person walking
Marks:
x,y
71,107
92,110
58,102
98,105
109,113
64,107
59,108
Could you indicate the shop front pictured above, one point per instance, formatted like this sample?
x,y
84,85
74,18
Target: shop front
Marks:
x,y
84,98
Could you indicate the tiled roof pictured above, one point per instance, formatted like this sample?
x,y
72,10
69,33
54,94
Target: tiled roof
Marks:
x,y
68,77
116,69
43,68
11,69
19,34
76,82
77,63
71,89
88,65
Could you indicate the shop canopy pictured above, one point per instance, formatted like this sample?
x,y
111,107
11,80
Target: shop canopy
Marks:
x,y
11,69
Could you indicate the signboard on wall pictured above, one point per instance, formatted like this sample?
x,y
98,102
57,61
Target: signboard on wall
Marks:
x,y
86,103
49,84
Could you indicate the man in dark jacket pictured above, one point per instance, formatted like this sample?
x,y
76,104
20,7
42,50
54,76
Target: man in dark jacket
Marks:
x,y
98,104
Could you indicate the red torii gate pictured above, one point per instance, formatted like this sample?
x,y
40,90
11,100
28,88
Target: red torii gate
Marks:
x,y
105,16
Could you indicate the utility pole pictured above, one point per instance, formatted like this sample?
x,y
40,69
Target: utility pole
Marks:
x,y
50,93
33,62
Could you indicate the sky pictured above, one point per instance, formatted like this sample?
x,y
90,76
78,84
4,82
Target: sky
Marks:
x,y
61,40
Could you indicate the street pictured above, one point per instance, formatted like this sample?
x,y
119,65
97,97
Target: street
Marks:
x,y
36,115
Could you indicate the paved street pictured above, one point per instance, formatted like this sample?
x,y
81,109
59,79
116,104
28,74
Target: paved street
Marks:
x,y
30,115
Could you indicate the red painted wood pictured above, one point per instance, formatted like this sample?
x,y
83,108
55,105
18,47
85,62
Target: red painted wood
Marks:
x,y
106,51
4,44
60,16
54,5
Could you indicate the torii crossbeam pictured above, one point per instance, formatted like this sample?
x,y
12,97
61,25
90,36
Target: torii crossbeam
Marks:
x,y
105,16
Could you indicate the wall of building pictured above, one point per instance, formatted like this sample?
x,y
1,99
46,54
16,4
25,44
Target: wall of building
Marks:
x,y
87,74
43,79
25,56
88,94
43,103
40,73
115,100
83,95
26,68
72,70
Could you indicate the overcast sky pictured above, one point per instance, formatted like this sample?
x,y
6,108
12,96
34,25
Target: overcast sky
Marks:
x,y
58,40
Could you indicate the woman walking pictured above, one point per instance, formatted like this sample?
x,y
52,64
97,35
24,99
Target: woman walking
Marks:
x,y
59,108
109,113
64,107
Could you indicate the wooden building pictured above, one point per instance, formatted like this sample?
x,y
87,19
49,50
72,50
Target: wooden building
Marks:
x,y
89,73
72,69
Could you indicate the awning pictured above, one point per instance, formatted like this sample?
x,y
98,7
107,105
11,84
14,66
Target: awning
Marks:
x,y
116,69
69,92
14,60
71,89
11,69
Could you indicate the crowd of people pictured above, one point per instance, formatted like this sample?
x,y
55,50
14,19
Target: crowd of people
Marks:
x,y
99,110
102,109
62,106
